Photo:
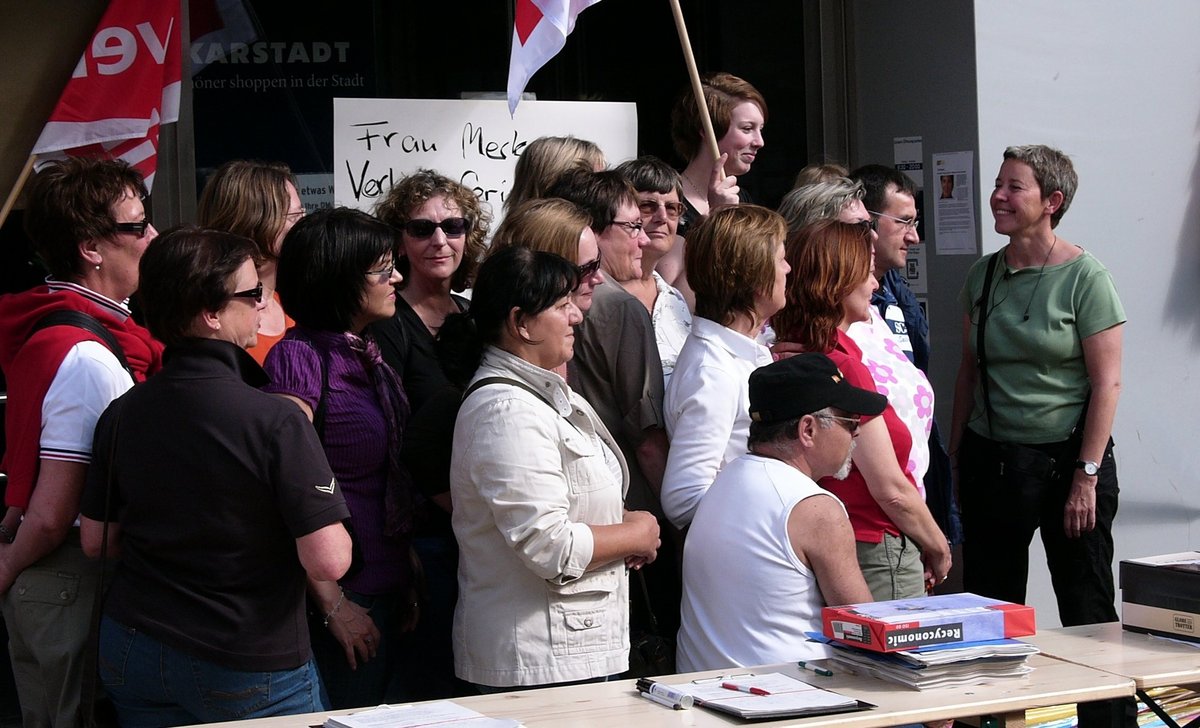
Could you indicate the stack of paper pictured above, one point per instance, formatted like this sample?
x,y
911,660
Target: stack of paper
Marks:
x,y
442,713
779,696
960,664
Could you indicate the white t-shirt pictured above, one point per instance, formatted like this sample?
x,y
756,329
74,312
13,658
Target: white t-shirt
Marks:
x,y
672,323
89,378
747,598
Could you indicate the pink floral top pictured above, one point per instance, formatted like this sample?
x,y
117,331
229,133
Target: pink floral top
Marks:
x,y
906,387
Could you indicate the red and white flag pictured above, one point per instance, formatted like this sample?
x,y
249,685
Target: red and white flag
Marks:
x,y
124,87
540,31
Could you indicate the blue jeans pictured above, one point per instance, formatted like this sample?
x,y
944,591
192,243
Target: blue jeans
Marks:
x,y
151,684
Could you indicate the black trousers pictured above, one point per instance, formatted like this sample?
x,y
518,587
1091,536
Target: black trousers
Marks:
x,y
1005,498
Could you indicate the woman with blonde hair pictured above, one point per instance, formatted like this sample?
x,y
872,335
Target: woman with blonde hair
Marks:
x,y
257,200
554,225
735,261
901,550
543,160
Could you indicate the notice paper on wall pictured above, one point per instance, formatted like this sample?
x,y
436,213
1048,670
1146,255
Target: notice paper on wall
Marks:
x,y
909,159
954,203
376,142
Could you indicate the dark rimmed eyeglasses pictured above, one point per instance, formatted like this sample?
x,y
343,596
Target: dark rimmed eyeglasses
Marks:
x,y
867,226
452,226
295,215
588,269
256,293
649,207
908,222
137,228
633,228
383,274
850,423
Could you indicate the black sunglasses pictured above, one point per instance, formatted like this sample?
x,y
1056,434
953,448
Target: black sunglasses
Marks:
x,y
256,293
137,228
867,226
452,226
589,268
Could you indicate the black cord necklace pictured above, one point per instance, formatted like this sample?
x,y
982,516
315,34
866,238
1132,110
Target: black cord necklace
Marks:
x,y
1025,316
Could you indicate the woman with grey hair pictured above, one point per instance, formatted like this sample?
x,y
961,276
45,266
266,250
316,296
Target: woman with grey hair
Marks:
x,y
1035,400
824,199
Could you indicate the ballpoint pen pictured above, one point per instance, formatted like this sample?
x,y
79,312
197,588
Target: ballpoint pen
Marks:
x,y
819,670
744,688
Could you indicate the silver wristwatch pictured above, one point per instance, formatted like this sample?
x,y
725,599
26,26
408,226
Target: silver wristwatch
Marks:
x,y
1088,467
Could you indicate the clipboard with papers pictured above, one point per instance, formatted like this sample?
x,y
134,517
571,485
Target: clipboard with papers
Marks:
x,y
787,698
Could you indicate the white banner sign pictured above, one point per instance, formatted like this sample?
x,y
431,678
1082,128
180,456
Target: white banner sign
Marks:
x,y
378,141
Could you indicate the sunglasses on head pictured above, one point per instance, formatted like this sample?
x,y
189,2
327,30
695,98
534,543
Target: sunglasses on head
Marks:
x,y
452,226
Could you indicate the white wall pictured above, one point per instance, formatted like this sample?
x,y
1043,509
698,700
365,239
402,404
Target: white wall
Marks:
x,y
1117,87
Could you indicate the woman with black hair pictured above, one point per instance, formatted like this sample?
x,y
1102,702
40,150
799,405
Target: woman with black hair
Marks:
x,y
219,502
538,485
337,274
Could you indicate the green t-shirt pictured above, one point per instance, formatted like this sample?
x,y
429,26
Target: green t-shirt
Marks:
x,y
1038,380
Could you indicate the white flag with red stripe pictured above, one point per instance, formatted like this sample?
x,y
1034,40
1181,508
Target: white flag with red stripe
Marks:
x,y
540,31
124,87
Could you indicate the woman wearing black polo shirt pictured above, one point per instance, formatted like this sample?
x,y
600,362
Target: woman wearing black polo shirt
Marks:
x,y
220,503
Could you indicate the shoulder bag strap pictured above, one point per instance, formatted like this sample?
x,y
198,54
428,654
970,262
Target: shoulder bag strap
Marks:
x,y
81,320
980,341
505,380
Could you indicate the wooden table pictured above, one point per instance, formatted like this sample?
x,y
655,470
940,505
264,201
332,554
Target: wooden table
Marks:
x,y
606,705
1149,661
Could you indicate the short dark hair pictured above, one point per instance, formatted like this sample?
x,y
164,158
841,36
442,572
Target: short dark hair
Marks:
x,y
598,193
764,433
1053,171
530,281
875,179
415,190
322,263
71,201
188,270
651,174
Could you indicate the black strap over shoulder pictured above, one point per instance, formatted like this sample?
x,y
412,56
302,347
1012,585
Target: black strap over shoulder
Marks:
x,y
980,341
505,380
81,320
981,347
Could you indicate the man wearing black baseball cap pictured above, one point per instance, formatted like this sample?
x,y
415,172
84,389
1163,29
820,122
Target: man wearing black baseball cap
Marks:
x,y
768,547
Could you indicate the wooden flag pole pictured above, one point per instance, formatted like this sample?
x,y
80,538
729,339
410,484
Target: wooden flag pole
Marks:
x,y
16,190
697,89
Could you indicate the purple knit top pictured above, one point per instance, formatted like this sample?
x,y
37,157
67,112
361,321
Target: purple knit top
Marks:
x,y
356,444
